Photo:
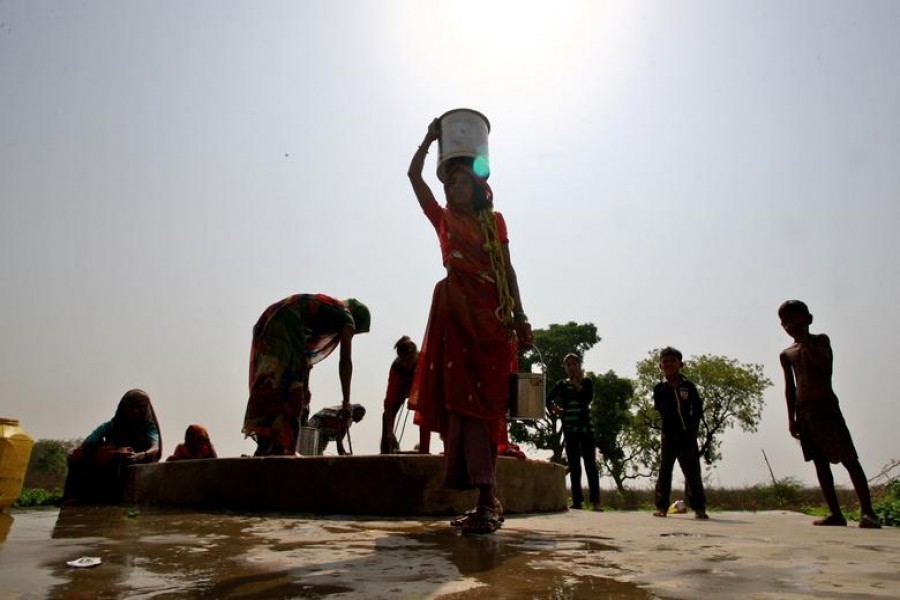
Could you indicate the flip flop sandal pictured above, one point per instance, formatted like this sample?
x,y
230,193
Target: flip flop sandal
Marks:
x,y
478,525
485,520
461,520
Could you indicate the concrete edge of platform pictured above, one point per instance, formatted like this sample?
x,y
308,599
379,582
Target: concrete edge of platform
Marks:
x,y
386,485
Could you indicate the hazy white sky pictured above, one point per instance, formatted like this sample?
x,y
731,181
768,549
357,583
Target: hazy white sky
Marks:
x,y
670,171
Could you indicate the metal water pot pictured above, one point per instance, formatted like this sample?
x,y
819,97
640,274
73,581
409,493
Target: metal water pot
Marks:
x,y
528,400
308,441
464,134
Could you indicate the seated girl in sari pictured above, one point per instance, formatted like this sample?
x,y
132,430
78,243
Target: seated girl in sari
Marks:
x,y
196,445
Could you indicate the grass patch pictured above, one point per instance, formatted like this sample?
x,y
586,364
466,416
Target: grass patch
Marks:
x,y
787,495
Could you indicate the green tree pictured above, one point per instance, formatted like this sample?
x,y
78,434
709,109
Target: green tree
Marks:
x,y
614,425
552,344
47,467
732,395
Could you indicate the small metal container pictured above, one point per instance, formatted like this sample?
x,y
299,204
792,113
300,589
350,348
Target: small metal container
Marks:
x,y
527,400
308,441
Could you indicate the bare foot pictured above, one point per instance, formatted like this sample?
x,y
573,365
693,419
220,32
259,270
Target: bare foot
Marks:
x,y
660,513
831,521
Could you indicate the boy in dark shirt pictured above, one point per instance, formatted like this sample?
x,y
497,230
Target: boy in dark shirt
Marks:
x,y
814,415
679,405
571,399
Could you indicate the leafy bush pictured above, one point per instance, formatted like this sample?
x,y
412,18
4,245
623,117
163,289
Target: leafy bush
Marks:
x,y
887,504
784,492
32,497
47,467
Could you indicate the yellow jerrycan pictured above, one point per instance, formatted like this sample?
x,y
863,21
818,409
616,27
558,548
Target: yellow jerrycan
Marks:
x,y
15,450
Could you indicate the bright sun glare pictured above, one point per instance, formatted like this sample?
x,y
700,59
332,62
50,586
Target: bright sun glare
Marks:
x,y
532,35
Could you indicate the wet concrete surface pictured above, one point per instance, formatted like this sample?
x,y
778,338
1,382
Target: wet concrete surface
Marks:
x,y
168,554
181,554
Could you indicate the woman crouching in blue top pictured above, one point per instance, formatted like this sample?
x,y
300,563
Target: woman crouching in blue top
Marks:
x,y
97,467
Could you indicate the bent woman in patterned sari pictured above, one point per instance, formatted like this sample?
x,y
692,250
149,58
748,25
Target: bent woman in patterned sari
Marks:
x,y
288,339
476,322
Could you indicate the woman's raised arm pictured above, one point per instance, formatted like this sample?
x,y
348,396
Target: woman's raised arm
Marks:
x,y
423,193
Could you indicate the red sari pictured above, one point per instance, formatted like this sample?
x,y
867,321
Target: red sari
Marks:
x,y
196,445
468,354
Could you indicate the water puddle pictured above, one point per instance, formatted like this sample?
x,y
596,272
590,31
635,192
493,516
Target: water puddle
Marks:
x,y
169,554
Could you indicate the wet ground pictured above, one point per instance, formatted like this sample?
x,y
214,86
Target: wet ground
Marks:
x,y
154,554
178,554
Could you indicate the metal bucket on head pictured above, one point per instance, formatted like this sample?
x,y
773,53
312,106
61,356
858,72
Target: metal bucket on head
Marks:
x,y
308,441
464,134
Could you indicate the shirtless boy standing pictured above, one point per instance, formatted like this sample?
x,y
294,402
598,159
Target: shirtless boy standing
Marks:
x,y
814,414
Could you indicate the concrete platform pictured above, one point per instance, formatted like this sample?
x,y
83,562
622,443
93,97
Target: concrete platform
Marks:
x,y
389,485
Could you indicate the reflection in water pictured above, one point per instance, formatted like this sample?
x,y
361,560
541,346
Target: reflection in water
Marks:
x,y
6,522
509,564
220,555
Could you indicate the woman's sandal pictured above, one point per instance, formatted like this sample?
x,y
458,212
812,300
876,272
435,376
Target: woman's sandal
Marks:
x,y
484,520
869,522
461,520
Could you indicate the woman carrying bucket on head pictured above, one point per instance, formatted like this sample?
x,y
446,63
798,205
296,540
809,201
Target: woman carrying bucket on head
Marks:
x,y
476,322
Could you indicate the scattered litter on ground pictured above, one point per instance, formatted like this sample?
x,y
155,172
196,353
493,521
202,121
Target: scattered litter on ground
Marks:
x,y
85,562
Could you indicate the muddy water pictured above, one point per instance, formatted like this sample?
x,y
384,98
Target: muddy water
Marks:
x,y
167,554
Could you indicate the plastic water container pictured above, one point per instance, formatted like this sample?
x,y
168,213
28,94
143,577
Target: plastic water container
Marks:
x,y
15,450
464,134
